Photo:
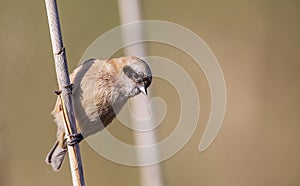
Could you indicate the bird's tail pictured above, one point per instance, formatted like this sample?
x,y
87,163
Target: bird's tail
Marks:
x,y
56,156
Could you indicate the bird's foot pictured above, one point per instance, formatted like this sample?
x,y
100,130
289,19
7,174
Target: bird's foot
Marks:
x,y
75,139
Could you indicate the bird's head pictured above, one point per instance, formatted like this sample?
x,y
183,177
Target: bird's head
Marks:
x,y
135,76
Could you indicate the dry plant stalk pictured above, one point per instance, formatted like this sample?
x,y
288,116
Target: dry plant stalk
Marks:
x,y
66,90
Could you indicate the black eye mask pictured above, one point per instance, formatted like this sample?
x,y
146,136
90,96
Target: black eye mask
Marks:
x,y
138,78
130,73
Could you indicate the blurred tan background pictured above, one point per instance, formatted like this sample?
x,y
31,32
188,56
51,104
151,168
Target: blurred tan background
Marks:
x,y
256,43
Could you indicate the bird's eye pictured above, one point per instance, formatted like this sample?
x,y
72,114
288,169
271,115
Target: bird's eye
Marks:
x,y
135,76
128,71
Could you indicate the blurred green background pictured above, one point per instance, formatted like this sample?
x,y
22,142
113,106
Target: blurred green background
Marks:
x,y
256,43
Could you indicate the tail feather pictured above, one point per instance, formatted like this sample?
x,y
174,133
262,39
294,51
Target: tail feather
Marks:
x,y
56,156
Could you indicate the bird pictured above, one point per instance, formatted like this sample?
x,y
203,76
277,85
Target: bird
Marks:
x,y
100,88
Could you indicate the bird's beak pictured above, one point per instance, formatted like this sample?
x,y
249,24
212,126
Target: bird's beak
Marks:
x,y
143,90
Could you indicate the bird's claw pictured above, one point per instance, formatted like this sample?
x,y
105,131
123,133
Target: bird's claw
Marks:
x,y
75,139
